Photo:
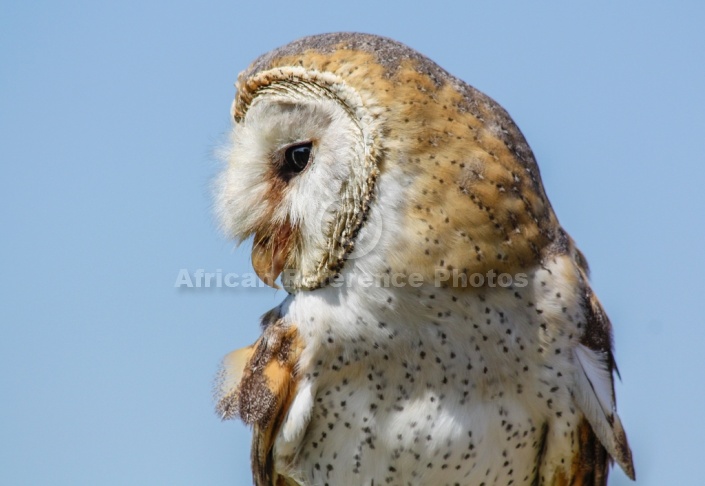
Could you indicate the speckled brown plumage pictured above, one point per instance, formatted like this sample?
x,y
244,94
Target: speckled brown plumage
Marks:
x,y
491,184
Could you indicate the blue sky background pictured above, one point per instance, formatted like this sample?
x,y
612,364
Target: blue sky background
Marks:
x,y
109,116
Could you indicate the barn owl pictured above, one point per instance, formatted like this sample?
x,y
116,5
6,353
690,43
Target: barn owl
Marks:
x,y
439,327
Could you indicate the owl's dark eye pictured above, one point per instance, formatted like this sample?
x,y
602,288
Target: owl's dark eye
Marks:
x,y
296,157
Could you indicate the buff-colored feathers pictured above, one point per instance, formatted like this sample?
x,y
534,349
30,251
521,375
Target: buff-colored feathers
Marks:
x,y
229,378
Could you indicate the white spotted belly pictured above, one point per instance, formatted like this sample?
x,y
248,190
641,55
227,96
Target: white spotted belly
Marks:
x,y
463,396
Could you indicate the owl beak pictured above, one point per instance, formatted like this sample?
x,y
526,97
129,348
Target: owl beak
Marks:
x,y
269,255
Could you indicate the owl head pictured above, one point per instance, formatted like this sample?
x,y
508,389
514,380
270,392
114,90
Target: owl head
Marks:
x,y
325,126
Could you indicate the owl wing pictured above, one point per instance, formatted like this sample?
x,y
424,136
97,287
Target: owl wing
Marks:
x,y
600,435
594,391
257,384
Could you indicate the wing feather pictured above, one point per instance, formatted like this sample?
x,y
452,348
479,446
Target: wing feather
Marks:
x,y
257,384
594,385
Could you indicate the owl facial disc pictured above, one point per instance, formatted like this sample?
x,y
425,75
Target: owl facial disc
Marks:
x,y
305,145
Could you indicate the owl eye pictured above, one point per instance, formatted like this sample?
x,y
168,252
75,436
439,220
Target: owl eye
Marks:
x,y
296,157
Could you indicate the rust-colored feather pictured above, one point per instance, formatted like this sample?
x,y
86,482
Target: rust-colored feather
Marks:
x,y
257,385
589,465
